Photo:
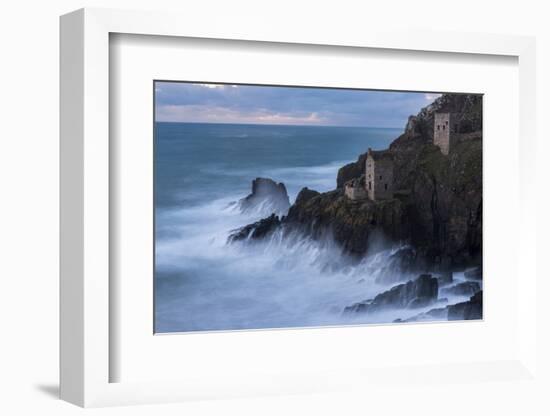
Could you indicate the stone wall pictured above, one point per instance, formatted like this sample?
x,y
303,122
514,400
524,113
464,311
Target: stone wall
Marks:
x,y
355,189
379,178
446,126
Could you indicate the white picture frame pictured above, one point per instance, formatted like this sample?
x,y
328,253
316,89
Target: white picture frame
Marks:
x,y
86,262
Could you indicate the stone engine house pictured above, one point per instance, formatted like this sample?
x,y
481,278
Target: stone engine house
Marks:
x,y
379,175
355,188
445,128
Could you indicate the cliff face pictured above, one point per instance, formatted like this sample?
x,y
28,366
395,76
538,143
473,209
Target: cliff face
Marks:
x,y
353,224
438,204
437,207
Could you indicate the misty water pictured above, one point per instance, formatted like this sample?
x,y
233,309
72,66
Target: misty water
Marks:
x,y
204,284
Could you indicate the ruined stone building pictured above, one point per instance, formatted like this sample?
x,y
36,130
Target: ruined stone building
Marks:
x,y
379,175
445,128
355,188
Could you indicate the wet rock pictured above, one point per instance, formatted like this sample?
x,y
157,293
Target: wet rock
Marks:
x,y
468,288
305,195
474,273
267,197
445,278
351,171
404,261
413,294
471,309
256,230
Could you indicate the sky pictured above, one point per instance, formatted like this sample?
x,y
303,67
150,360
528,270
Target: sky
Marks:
x,y
251,104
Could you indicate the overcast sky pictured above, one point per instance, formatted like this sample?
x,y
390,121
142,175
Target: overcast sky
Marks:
x,y
215,103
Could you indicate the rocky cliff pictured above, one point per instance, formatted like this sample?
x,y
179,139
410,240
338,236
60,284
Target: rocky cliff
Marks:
x,y
438,203
437,207
267,197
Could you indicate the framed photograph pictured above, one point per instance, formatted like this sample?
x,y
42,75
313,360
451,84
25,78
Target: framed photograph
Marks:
x,y
289,207
280,214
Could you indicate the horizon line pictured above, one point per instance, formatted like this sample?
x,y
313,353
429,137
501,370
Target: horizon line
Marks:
x,y
274,124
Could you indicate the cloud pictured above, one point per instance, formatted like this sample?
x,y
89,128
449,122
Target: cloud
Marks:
x,y
226,103
214,114
212,86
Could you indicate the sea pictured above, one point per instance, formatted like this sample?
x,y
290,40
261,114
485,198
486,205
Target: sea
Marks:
x,y
201,282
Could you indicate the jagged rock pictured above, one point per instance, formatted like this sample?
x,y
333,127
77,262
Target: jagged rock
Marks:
x,y
467,108
474,273
468,288
411,125
471,309
403,261
351,171
445,278
267,197
305,195
413,294
257,230
352,224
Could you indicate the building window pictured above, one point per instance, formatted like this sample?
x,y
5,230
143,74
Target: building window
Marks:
x,y
443,127
438,126
380,176
370,187
386,186
447,123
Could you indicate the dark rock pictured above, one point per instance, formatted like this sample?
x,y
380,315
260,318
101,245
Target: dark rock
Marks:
x,y
402,262
471,309
468,288
474,273
351,171
445,278
305,195
411,125
466,107
413,294
352,224
267,197
256,230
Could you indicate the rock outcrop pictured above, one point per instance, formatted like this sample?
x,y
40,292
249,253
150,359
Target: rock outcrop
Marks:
x,y
445,278
474,273
351,171
470,310
416,293
468,288
437,204
255,231
466,107
267,197
352,224
305,195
